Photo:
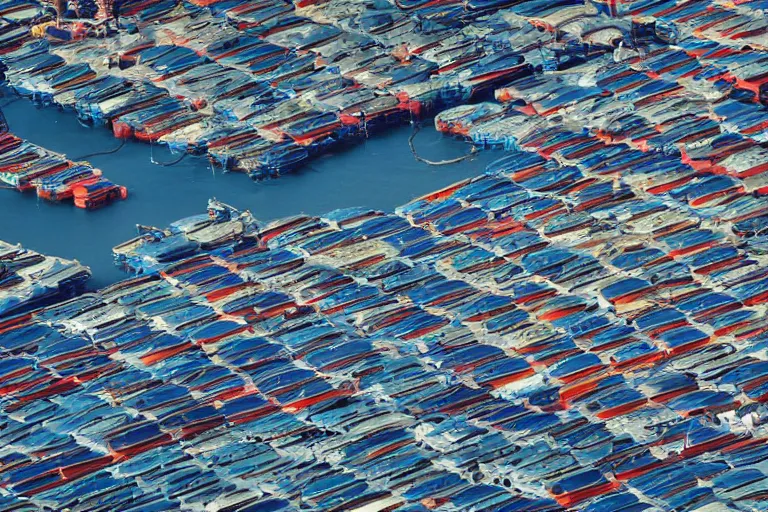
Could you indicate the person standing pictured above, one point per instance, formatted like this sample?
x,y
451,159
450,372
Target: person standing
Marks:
x,y
60,6
109,9
116,12
73,11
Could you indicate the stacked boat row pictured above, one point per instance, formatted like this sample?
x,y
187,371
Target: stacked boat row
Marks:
x,y
680,124
608,362
702,99
491,346
14,12
26,166
634,101
174,404
738,24
624,359
264,87
29,280
474,351
667,147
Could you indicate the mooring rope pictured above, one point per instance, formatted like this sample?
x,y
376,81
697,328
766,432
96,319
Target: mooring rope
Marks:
x,y
168,164
416,128
10,101
108,152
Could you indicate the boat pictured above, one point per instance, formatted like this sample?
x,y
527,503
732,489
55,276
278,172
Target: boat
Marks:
x,y
97,194
60,186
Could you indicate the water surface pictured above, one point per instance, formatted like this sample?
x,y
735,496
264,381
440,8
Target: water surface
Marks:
x,y
378,173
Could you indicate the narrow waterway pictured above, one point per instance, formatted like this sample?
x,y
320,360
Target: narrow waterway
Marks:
x,y
379,173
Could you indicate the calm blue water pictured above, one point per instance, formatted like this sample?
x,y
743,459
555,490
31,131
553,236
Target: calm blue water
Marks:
x,y
380,173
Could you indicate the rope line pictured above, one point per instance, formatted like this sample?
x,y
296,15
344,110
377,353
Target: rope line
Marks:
x,y
416,129
108,152
168,164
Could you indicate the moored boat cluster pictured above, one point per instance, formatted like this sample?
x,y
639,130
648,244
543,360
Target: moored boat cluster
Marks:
x,y
30,280
25,166
582,327
258,87
472,349
263,87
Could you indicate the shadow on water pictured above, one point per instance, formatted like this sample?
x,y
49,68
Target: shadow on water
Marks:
x,y
378,173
